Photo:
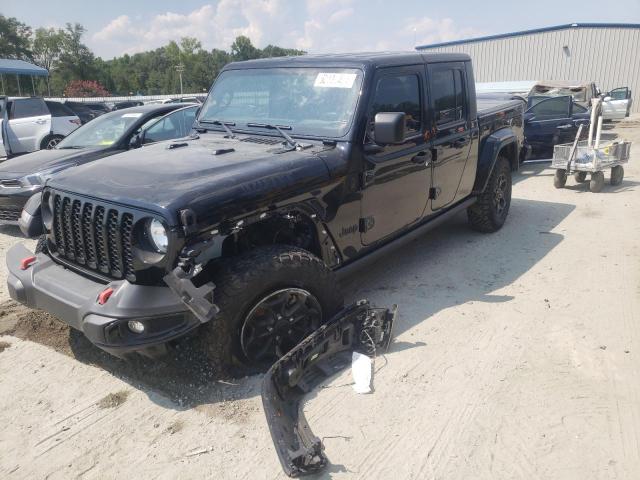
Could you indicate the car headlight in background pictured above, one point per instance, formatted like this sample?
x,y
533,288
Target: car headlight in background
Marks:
x,y
158,235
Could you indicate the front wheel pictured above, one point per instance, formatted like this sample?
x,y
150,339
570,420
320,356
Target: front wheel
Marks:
x,y
617,174
489,213
270,299
580,177
560,178
597,182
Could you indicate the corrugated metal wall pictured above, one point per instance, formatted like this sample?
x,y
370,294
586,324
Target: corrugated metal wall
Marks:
x,y
608,56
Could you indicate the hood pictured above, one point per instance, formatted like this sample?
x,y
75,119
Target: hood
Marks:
x,y
200,174
40,160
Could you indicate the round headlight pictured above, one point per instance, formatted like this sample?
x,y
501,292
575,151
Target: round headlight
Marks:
x,y
158,235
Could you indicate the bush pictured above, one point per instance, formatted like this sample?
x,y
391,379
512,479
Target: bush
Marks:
x,y
85,88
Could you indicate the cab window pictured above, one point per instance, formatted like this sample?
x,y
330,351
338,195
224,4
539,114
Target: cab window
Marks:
x,y
399,93
447,89
552,107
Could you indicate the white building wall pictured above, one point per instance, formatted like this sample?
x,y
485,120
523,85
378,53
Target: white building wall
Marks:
x,y
609,56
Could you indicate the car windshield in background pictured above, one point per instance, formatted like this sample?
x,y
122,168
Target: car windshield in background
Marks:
x,y
312,101
101,132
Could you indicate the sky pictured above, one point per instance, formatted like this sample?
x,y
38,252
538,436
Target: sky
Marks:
x,y
115,27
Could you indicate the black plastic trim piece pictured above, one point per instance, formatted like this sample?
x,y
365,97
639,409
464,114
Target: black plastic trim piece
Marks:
x,y
358,327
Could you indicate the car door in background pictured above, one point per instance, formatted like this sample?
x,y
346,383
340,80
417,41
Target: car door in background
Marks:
x,y
63,120
29,123
451,139
617,104
397,178
174,125
549,122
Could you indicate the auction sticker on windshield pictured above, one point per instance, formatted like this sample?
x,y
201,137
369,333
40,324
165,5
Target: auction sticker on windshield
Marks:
x,y
132,115
335,80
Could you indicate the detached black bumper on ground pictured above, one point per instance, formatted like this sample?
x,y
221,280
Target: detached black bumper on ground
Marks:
x,y
102,311
359,327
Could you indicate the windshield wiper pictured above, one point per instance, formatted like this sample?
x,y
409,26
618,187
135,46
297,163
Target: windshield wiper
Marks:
x,y
71,147
280,129
223,124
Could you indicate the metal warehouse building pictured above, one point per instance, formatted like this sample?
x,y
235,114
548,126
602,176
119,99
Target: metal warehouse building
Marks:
x,y
608,54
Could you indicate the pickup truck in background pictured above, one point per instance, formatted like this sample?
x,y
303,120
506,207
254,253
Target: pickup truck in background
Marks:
x,y
301,170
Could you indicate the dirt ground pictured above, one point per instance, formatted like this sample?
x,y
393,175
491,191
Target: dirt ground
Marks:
x,y
517,356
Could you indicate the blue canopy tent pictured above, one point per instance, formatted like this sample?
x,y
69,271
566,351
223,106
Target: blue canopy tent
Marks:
x,y
20,67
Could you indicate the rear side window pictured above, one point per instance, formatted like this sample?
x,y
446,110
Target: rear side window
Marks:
x,y
552,107
59,110
399,93
29,107
448,91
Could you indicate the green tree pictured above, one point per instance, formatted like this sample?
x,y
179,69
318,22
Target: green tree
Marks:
x,y
15,39
47,47
243,49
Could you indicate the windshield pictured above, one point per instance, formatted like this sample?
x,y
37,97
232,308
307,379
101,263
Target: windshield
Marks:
x,y
101,132
307,101
578,93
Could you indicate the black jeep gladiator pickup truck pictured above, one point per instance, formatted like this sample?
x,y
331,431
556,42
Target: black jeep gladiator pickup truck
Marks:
x,y
297,170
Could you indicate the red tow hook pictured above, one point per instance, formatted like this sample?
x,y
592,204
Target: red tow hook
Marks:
x,y
105,295
27,262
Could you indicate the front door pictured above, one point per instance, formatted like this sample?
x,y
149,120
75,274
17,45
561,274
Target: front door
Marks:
x,y
617,104
397,178
549,122
451,140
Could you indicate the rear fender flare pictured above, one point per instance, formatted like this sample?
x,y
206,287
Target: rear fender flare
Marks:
x,y
498,141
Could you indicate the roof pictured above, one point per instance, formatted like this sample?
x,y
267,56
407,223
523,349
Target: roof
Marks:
x,y
350,60
530,32
20,67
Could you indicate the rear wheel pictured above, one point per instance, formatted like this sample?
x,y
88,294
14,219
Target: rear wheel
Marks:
x,y
560,178
489,213
270,299
617,174
597,182
50,141
580,177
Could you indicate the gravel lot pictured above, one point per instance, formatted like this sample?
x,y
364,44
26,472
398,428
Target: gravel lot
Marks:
x,y
517,355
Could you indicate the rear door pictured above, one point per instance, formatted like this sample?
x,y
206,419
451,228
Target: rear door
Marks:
x,y
451,139
617,104
397,178
29,122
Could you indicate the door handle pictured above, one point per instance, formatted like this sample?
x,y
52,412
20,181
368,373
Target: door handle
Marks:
x,y
566,126
423,157
40,121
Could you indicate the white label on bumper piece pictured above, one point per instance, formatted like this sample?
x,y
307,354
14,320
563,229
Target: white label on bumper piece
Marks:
x,y
335,80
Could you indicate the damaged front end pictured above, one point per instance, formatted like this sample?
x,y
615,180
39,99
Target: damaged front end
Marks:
x,y
360,328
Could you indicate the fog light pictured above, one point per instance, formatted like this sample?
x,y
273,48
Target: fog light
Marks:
x,y
135,326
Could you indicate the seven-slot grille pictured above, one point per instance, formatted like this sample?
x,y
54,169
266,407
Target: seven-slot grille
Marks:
x,y
94,236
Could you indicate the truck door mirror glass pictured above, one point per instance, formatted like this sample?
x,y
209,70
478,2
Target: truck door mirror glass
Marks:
x,y
388,127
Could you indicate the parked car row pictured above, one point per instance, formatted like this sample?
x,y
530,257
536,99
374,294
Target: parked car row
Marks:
x,y
115,132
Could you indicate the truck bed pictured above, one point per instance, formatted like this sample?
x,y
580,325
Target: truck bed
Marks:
x,y
489,105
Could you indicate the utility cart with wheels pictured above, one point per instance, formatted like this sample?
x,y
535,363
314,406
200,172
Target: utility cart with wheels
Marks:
x,y
581,159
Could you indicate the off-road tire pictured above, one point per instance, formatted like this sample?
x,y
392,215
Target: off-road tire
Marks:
x,y
41,246
580,177
597,182
484,215
560,178
50,141
242,281
617,174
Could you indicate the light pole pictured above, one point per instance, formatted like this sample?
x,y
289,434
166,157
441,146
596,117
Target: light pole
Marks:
x,y
180,69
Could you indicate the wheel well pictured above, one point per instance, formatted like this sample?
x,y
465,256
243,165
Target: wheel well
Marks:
x,y
510,152
292,228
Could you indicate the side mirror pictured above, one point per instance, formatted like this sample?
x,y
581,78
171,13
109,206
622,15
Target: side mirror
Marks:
x,y
388,127
607,98
136,140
